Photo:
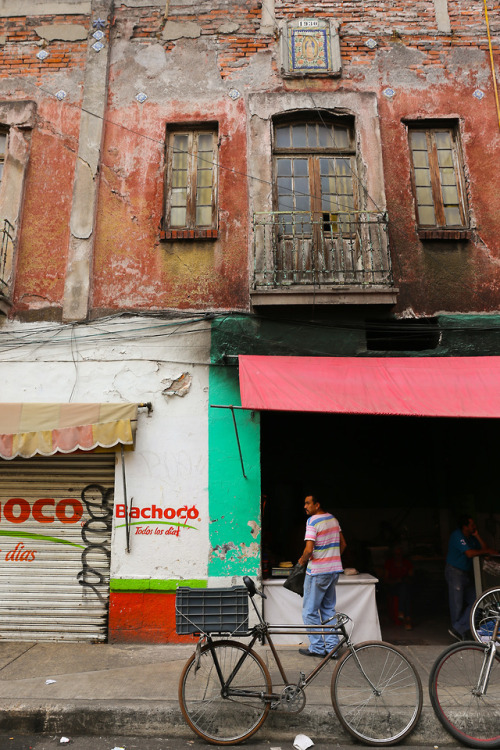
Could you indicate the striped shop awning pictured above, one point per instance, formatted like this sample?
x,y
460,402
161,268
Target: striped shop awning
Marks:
x,y
45,429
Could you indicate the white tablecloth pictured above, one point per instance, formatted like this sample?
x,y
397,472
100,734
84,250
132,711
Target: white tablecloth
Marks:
x,y
355,597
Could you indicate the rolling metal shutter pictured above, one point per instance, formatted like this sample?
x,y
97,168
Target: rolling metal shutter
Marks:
x,y
55,547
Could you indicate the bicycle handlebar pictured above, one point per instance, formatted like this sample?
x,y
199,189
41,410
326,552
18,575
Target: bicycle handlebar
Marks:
x,y
252,588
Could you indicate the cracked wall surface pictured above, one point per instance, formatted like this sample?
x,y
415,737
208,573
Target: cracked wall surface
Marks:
x,y
95,190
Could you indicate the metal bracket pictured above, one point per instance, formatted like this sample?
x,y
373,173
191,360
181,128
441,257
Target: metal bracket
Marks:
x,y
232,408
127,516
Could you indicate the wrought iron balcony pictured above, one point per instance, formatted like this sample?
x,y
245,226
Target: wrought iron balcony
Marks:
x,y
324,251
6,248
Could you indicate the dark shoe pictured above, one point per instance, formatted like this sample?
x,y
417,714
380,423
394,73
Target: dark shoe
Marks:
x,y
455,634
336,656
306,652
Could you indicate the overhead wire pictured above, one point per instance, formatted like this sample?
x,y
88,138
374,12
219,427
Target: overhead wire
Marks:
x,y
164,146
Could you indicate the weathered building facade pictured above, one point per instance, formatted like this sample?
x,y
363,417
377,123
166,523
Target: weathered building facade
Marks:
x,y
187,182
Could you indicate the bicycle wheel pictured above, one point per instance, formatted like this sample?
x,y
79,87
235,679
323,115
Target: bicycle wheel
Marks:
x,y
483,613
377,694
218,718
473,719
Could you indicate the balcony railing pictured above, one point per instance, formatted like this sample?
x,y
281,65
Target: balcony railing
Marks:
x,y
321,250
6,245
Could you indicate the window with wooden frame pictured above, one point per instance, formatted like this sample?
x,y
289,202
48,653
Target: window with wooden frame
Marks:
x,y
191,183
314,162
438,182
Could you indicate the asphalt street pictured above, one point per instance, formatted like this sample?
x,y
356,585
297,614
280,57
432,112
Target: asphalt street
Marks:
x,y
51,742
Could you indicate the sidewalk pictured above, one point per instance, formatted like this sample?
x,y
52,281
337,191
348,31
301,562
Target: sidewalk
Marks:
x,y
132,690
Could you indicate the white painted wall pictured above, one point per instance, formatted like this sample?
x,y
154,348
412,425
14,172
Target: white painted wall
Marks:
x,y
133,360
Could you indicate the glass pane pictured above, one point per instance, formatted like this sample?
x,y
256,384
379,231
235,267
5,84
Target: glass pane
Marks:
x,y
205,141
343,166
329,204
179,197
445,158
418,140
450,195
285,201
203,216
443,140
348,202
179,179
283,136
299,136
3,143
178,217
328,185
205,160
180,142
302,202
180,160
284,166
327,166
301,185
452,216
325,136
422,177
284,185
424,196
341,137
448,176
204,197
420,158
300,167
1,170
312,135
204,178
426,215
344,186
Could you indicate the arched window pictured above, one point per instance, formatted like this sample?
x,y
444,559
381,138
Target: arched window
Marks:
x,y
315,173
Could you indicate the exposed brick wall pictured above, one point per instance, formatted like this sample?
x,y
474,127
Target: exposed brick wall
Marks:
x,y
389,22
22,43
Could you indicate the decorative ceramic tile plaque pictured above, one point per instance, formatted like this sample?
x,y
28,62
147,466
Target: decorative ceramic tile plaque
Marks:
x,y
310,47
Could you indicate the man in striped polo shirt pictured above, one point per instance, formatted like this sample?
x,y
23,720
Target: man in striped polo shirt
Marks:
x,y
324,546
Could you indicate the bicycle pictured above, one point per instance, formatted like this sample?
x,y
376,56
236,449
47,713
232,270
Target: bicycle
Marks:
x,y
483,613
225,690
464,687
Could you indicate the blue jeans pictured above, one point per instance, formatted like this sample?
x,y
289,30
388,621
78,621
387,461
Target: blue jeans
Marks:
x,y
462,595
319,605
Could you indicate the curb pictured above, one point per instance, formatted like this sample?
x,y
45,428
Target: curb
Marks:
x,y
145,718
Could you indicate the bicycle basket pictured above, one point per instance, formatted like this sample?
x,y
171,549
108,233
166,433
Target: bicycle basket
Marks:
x,y
211,610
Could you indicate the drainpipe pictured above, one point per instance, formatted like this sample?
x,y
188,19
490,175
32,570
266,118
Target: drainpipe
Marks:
x,y
492,63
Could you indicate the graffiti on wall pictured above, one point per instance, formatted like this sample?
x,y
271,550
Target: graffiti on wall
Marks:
x,y
95,535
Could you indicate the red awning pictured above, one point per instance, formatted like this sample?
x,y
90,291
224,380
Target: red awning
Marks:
x,y
407,386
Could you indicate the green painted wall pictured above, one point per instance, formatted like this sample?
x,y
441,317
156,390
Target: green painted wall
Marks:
x,y
234,502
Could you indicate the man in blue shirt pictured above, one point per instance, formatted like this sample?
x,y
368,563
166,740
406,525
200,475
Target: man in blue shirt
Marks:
x,y
464,544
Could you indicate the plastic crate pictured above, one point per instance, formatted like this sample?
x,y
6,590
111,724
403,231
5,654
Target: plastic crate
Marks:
x,y
211,610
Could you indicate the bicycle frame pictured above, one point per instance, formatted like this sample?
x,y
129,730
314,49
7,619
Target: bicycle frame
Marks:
x,y
489,657
263,632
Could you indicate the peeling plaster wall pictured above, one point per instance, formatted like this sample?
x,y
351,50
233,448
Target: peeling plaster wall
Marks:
x,y
132,267
169,466
190,63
